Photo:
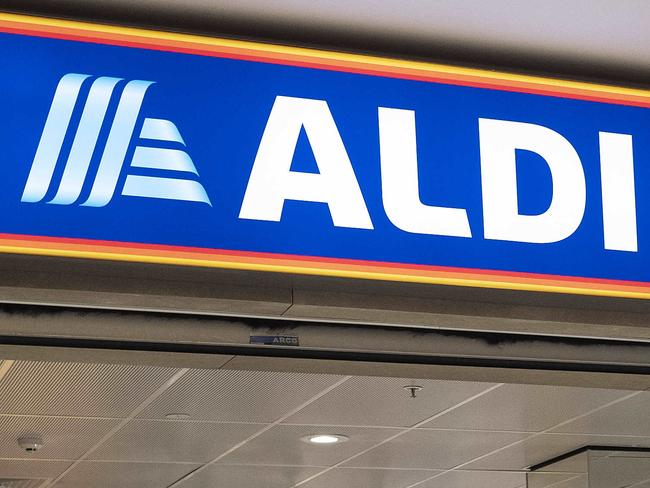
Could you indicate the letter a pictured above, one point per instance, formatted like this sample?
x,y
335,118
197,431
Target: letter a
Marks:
x,y
272,181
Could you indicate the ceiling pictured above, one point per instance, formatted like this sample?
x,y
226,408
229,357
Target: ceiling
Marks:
x,y
106,425
606,39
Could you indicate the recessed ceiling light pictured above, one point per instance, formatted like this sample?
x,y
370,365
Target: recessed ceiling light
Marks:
x,y
325,439
177,416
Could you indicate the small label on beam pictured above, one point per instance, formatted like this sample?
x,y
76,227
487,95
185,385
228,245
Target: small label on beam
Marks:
x,y
277,340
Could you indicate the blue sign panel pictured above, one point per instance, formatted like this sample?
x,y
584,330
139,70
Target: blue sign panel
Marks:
x,y
126,144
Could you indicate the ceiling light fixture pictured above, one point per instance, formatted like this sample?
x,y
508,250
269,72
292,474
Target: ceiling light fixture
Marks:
x,y
325,439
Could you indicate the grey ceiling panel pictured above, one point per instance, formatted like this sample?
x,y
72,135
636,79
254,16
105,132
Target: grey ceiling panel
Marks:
x,y
230,430
374,478
283,445
31,468
547,480
22,483
431,449
483,479
93,390
629,417
528,408
238,396
223,476
580,481
542,447
64,438
123,475
369,401
169,441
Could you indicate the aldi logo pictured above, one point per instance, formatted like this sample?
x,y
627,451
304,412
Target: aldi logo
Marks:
x,y
115,149
326,164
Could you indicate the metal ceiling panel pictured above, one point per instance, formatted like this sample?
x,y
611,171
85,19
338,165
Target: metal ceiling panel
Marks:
x,y
545,480
172,441
161,453
65,438
22,483
31,468
93,390
224,476
123,475
527,408
629,417
579,482
384,401
484,479
375,478
283,445
542,447
434,449
238,396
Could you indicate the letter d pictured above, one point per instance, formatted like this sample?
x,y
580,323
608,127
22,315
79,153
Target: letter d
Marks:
x,y
499,139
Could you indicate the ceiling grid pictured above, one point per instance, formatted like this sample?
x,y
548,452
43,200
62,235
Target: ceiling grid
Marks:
x,y
453,434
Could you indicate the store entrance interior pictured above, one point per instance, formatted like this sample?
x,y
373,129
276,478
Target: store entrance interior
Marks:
x,y
112,424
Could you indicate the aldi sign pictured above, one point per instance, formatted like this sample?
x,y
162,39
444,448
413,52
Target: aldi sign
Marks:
x,y
125,144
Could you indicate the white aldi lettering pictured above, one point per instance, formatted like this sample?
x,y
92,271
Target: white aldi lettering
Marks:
x,y
272,182
264,158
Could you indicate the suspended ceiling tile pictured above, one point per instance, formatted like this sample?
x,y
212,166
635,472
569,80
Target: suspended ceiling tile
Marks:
x,y
542,447
78,389
171,441
434,449
374,478
89,474
483,479
378,401
22,483
619,470
547,480
283,445
528,408
629,417
581,481
31,468
224,476
238,396
64,438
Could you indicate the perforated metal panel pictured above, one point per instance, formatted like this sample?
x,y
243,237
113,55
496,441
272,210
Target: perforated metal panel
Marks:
x,y
31,468
167,441
238,396
245,428
484,479
528,408
283,445
430,449
375,478
22,483
123,475
248,477
94,390
385,402
63,437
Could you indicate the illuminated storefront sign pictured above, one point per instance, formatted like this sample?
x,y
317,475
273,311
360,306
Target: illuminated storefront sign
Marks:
x,y
155,147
